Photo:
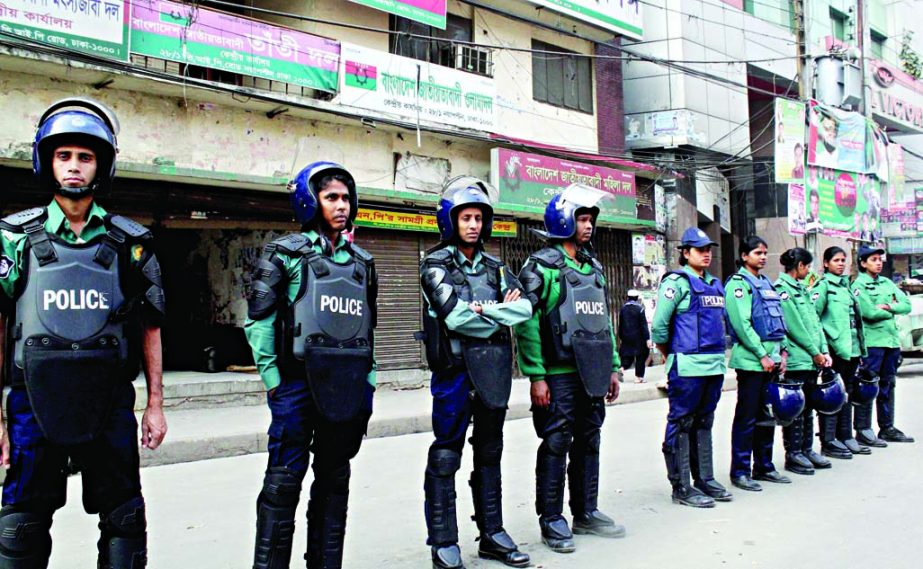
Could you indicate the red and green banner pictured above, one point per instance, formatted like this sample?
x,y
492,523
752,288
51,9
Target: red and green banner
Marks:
x,y
196,36
429,12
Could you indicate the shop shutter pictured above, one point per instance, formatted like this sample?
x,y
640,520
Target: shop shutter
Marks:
x,y
397,259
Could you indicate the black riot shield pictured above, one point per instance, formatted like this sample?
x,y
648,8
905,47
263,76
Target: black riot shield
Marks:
x,y
593,355
337,374
490,367
71,386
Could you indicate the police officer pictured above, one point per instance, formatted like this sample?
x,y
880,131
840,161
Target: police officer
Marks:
x,y
758,331
807,353
568,351
841,319
310,322
689,331
879,300
471,301
83,302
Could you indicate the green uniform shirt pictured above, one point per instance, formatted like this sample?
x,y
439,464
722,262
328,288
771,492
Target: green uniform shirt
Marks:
x,y
13,244
262,333
528,333
878,325
804,337
840,316
749,349
673,298
463,320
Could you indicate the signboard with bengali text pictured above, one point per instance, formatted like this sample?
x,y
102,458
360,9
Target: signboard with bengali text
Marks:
x,y
620,16
429,12
416,221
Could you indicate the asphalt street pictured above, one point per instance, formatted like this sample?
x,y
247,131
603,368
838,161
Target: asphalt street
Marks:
x,y
866,512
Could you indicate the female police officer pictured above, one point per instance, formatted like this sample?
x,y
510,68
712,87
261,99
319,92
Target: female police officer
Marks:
x,y
689,330
879,300
807,351
758,331
842,323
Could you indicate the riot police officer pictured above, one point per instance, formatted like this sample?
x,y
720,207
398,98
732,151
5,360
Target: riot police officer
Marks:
x,y
807,353
841,319
879,300
83,302
311,316
758,332
689,330
568,351
471,301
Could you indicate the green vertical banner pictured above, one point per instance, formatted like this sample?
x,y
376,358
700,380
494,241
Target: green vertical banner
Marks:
x,y
429,12
789,141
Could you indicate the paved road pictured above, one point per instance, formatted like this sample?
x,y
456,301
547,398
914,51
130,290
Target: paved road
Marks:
x,y
864,512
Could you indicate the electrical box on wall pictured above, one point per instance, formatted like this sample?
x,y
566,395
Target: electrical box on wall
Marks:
x,y
839,82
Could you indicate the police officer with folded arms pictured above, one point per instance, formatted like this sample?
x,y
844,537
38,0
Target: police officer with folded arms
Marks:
x,y
568,351
689,330
758,331
879,301
840,316
82,301
807,353
471,301
311,316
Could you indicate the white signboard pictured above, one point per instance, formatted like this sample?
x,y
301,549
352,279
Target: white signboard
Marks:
x,y
97,27
620,16
410,89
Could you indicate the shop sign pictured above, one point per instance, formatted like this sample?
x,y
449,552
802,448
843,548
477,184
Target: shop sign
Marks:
x,y
416,221
206,38
414,90
527,182
894,98
619,16
664,128
429,12
96,27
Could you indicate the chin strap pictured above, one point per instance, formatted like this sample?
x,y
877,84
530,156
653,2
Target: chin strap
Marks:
x,y
75,193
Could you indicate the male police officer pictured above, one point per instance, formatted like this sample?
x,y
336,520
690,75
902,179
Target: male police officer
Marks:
x,y
310,321
879,300
568,351
471,301
83,301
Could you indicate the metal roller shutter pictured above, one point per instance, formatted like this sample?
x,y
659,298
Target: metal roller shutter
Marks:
x,y
397,259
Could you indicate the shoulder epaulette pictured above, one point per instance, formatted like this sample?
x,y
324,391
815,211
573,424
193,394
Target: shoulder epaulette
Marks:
x,y
15,221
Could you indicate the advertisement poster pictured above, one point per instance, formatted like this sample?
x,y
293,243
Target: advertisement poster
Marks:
x,y
416,90
95,27
429,12
797,214
647,249
848,204
193,35
789,141
528,181
840,140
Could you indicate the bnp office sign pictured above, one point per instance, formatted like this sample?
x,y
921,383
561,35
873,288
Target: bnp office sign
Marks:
x,y
527,182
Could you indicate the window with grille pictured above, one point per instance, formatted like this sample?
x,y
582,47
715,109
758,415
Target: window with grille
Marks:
x,y
563,79
442,47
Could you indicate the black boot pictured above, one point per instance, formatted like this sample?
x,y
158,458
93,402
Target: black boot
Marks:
x,y
550,472
679,473
865,435
829,446
327,518
701,460
888,431
583,475
792,440
441,523
494,542
807,447
275,519
844,432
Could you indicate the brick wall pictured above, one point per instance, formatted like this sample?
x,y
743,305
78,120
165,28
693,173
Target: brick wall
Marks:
x,y
610,114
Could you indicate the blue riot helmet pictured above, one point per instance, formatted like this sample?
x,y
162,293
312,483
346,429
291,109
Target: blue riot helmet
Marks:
x,y
79,121
461,192
865,388
561,212
306,185
786,399
830,395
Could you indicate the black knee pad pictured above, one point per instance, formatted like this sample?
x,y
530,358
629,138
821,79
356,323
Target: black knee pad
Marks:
x,y
488,453
706,421
331,479
127,520
558,443
281,487
593,442
443,462
685,423
23,534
